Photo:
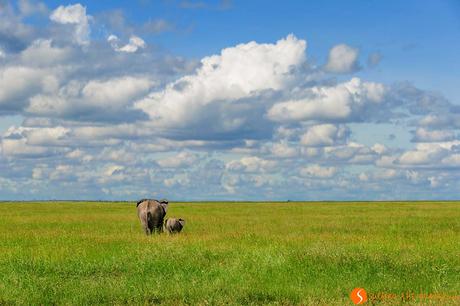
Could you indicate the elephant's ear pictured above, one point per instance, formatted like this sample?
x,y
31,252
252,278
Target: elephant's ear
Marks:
x,y
164,203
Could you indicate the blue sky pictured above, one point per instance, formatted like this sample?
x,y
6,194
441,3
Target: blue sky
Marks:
x,y
193,100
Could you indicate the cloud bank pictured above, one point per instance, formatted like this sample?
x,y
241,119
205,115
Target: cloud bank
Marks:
x,y
114,118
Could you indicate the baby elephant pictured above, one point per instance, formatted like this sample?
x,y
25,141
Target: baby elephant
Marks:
x,y
174,225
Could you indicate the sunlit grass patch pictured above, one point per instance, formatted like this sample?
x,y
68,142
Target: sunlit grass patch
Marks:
x,y
228,253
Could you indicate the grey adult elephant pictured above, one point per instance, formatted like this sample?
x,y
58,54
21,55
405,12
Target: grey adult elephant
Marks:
x,y
151,213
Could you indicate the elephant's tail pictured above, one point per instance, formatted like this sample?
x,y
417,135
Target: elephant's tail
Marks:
x,y
149,217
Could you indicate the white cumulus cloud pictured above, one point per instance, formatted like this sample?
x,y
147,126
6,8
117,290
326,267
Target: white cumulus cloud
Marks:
x,y
135,43
74,15
329,103
42,53
110,95
238,72
428,154
318,171
324,135
19,83
342,59
251,164
424,135
183,159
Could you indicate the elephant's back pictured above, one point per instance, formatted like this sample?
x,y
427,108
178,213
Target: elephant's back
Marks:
x,y
147,206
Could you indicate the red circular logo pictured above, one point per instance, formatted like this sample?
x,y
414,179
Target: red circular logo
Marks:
x,y
358,296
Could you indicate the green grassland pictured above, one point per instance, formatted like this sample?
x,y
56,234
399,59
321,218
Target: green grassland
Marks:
x,y
230,253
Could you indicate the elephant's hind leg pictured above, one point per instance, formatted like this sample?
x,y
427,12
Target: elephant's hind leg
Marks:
x,y
145,225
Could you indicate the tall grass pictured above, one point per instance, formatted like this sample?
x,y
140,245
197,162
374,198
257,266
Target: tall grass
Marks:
x,y
230,253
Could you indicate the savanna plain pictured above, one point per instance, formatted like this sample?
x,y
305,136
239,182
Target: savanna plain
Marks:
x,y
294,253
